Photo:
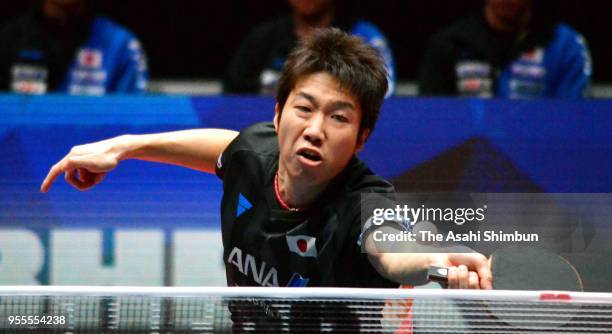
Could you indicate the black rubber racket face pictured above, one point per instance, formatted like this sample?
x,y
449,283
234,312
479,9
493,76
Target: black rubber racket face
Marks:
x,y
525,268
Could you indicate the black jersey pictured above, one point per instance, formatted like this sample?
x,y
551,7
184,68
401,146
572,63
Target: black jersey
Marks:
x,y
268,246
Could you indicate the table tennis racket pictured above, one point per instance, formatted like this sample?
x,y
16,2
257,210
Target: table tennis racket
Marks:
x,y
526,268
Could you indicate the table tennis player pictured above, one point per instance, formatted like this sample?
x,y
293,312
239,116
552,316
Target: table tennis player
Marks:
x,y
290,210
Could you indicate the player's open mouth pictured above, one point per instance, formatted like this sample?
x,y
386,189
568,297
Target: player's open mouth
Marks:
x,y
310,156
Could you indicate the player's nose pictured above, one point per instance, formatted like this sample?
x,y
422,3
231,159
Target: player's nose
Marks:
x,y
314,132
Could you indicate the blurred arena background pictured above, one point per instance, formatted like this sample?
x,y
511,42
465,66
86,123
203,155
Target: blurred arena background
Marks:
x,y
190,42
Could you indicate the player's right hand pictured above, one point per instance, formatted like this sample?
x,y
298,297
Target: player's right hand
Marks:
x,y
85,165
467,270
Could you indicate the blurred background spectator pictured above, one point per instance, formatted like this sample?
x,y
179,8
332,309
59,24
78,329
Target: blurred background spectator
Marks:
x,y
190,43
509,49
257,64
64,46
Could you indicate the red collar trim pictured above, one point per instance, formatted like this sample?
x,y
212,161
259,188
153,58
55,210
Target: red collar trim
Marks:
x,y
279,199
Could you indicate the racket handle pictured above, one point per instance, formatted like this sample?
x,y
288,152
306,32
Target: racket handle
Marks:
x,y
438,274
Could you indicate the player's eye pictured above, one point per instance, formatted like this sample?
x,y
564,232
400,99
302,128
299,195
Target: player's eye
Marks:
x,y
303,108
340,118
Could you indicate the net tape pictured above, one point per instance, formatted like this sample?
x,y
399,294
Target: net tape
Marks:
x,y
218,310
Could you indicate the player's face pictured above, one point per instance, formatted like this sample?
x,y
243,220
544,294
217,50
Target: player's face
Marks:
x,y
318,129
310,7
509,10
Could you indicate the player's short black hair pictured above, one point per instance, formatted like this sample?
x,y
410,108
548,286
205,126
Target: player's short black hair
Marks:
x,y
356,65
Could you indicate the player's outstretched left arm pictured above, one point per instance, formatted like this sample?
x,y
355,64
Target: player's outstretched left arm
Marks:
x,y
86,165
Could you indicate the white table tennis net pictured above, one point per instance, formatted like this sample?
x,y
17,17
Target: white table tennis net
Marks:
x,y
273,310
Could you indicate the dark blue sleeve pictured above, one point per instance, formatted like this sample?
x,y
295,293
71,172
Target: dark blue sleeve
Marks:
x,y
373,36
575,70
133,74
122,61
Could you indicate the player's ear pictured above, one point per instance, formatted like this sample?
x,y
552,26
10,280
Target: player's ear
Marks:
x,y
363,136
276,117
